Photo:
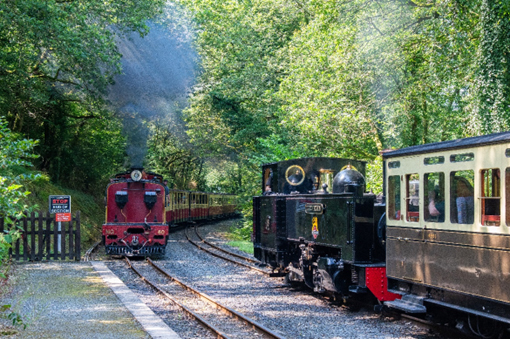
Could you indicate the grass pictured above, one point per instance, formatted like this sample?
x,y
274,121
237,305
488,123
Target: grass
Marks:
x,y
243,245
239,235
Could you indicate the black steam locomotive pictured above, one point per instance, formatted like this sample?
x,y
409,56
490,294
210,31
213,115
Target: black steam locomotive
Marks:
x,y
332,240
436,245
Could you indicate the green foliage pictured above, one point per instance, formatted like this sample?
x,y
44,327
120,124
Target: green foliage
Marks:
x,y
175,159
493,81
15,155
287,79
57,59
245,246
13,316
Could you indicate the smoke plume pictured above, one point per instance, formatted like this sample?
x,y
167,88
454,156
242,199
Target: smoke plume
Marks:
x,y
158,72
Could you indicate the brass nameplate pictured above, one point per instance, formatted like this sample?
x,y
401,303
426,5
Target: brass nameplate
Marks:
x,y
314,208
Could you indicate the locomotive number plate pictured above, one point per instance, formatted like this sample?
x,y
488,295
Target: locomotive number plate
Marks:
x,y
161,232
314,208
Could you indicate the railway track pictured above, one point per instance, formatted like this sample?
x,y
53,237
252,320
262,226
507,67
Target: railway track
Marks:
x,y
88,253
215,251
254,261
221,320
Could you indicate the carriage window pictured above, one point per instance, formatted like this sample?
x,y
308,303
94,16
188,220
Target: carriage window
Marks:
x,y
433,160
413,197
462,157
507,153
434,197
462,210
507,190
394,197
394,164
491,197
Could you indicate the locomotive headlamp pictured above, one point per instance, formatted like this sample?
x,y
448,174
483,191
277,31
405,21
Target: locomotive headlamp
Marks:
x,y
136,175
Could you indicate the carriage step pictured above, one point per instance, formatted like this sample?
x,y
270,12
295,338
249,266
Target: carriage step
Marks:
x,y
409,304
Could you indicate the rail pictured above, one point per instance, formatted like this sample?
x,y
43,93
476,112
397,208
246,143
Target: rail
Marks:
x,y
224,250
223,257
259,327
197,317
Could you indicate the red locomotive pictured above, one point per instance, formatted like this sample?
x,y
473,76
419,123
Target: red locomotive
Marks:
x,y
139,212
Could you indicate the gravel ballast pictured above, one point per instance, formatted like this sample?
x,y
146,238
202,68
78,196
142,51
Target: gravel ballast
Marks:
x,y
293,313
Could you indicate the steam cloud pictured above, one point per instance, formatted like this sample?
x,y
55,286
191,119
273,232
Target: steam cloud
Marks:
x,y
158,71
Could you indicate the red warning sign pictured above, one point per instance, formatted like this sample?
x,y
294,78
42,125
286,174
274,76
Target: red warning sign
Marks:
x,y
63,217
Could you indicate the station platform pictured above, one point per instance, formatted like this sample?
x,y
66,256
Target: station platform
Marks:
x,y
77,300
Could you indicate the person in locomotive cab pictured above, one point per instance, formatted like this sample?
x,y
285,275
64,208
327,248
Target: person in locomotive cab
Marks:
x,y
268,190
167,191
296,177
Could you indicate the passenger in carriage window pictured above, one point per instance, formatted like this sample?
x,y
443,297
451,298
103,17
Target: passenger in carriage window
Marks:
x,y
463,211
436,205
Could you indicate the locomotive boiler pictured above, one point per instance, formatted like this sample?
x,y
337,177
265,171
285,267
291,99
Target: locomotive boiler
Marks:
x,y
315,224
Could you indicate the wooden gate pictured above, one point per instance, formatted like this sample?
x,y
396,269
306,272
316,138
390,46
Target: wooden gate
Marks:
x,y
41,237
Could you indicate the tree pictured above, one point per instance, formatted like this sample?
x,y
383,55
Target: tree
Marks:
x,y
493,80
57,59
15,155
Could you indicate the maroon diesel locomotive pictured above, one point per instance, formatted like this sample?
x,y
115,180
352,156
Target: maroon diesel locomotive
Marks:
x,y
140,209
135,214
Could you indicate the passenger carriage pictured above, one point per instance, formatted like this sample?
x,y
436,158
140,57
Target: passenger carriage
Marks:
x,y
448,229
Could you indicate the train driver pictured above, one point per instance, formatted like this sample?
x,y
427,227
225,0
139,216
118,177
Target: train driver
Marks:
x,y
167,192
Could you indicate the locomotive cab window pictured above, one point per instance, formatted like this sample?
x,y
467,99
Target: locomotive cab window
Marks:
x,y
491,197
326,177
394,197
434,208
413,197
462,209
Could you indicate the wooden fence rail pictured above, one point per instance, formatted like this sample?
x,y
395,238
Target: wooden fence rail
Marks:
x,y
41,237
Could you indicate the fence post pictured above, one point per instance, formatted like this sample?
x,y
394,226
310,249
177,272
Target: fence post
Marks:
x,y
78,237
62,232
24,237
40,237
48,235
71,239
32,235
55,240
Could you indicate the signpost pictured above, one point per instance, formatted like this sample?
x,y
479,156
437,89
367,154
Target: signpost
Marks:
x,y
60,205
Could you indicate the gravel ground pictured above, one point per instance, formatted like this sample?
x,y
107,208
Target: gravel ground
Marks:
x,y
67,300
290,312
